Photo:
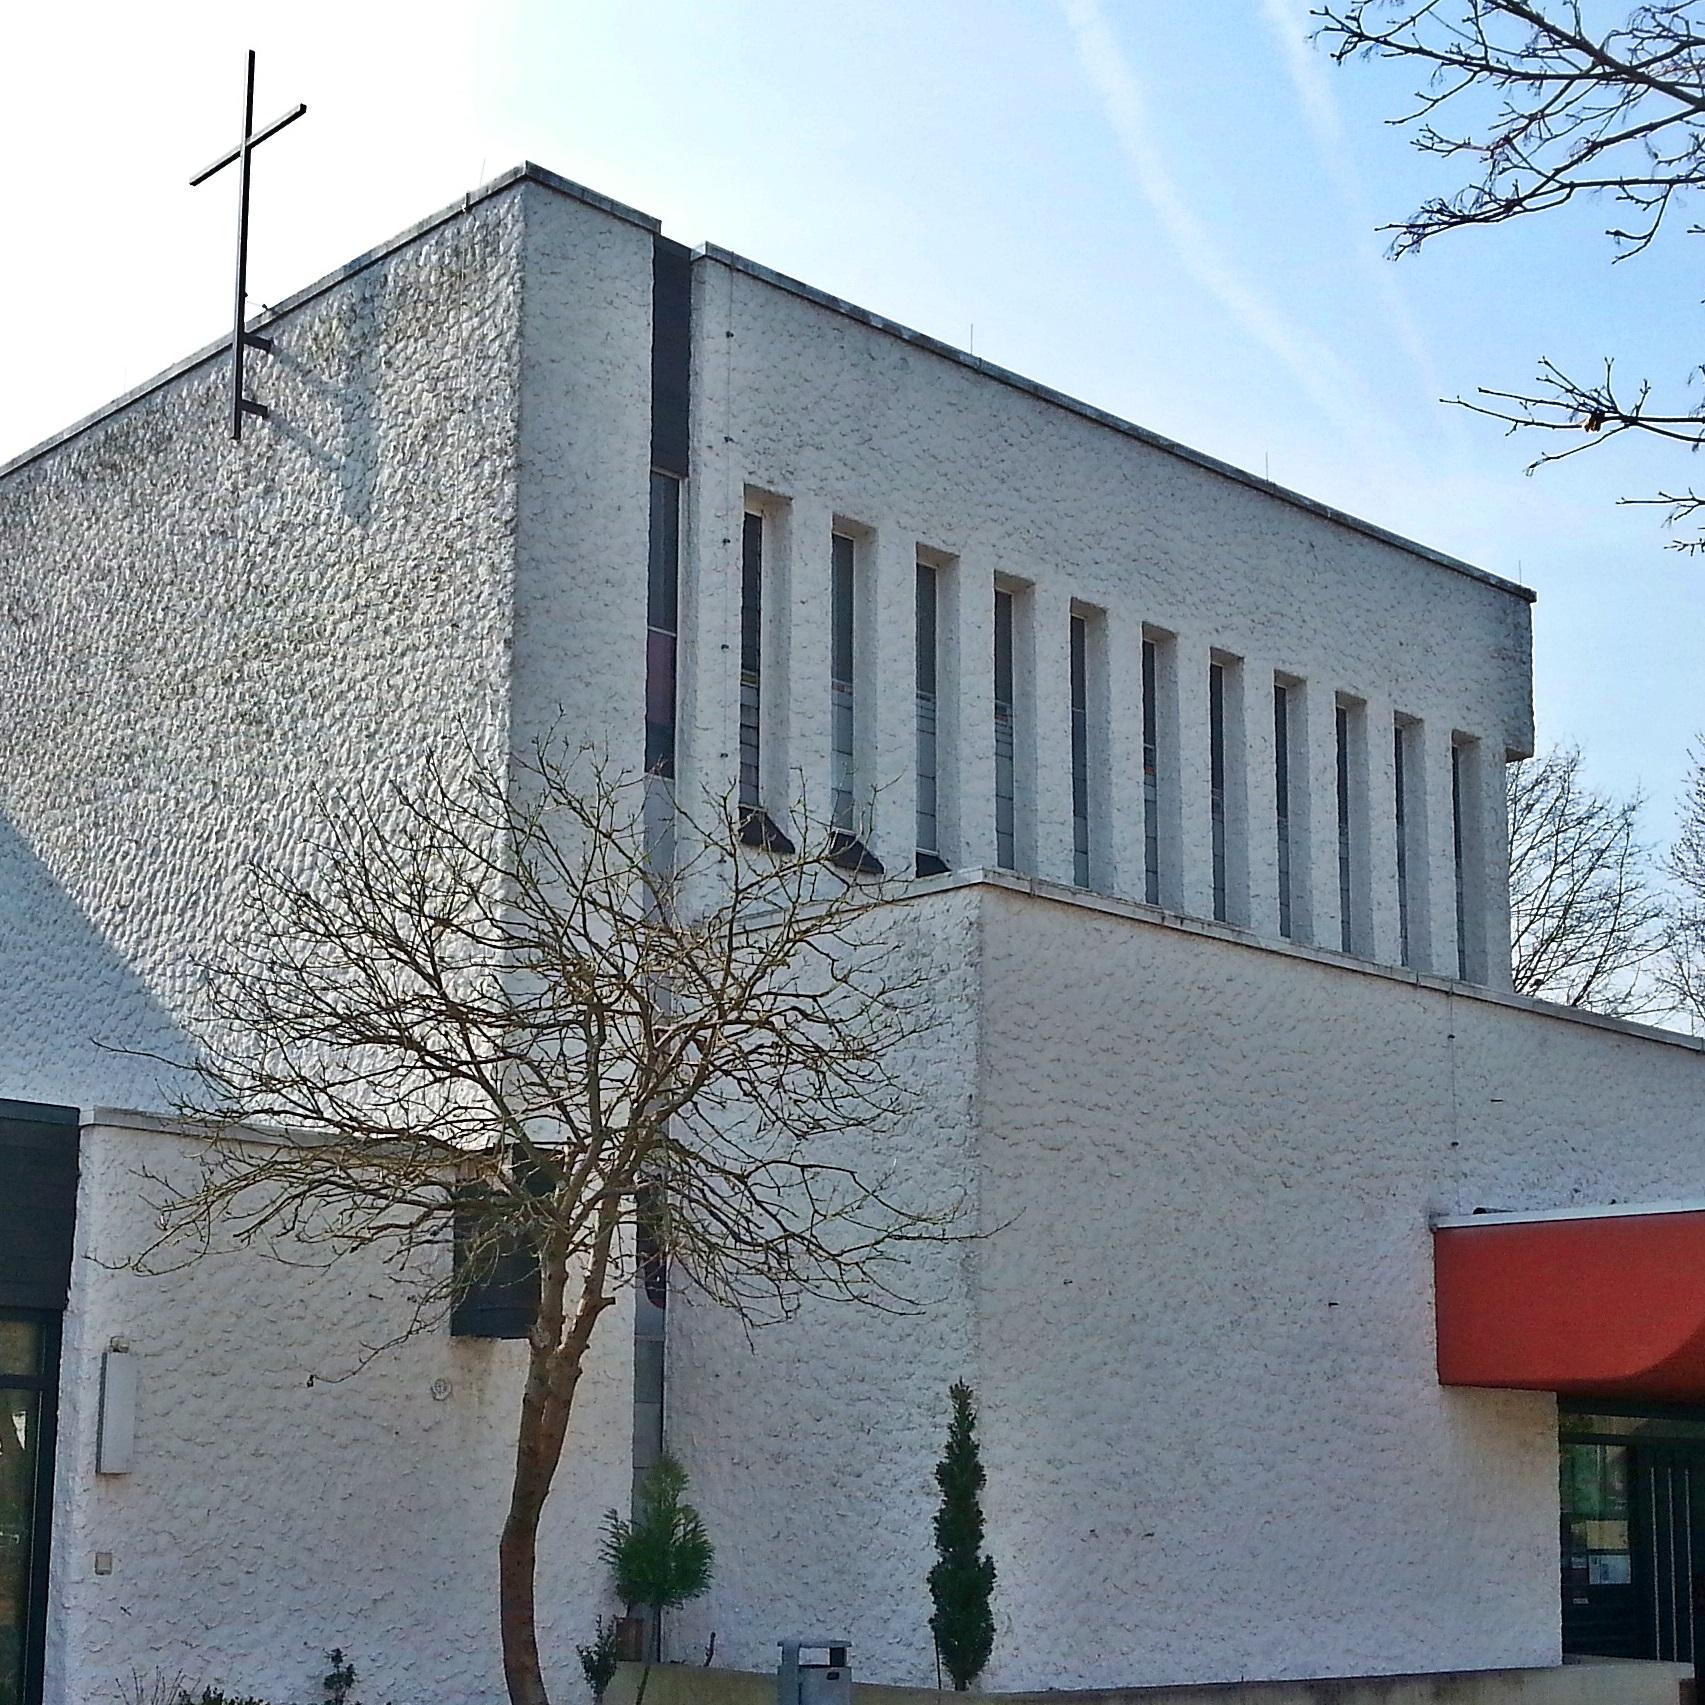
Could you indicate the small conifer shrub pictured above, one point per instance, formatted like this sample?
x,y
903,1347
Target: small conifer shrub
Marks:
x,y
962,1582
664,1556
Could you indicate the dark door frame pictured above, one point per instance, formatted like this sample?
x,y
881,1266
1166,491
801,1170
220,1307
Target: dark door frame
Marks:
x,y
38,1225
45,1383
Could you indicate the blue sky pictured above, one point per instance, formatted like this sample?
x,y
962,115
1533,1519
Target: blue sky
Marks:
x,y
1165,209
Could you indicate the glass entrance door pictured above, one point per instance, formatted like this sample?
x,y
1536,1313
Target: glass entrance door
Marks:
x,y
28,1372
1632,1502
1669,1510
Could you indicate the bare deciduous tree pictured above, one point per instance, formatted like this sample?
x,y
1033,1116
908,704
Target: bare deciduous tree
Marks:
x,y
1541,107
1585,921
1683,975
483,997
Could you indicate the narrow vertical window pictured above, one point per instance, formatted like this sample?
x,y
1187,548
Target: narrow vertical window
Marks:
x,y
1151,773
929,860
1282,798
751,660
1346,886
846,847
662,606
757,827
1005,780
1457,839
1080,750
1399,744
1216,781
841,701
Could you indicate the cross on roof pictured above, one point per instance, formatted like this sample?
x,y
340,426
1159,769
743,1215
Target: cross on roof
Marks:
x,y
241,338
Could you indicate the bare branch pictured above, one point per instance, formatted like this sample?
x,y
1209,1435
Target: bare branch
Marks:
x,y
1585,921
1540,110
482,1008
1548,110
494,986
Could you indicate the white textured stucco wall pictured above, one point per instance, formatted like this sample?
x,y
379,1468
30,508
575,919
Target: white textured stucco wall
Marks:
x,y
441,529
829,421
200,633
438,533
1200,1326
276,1508
811,1444
584,479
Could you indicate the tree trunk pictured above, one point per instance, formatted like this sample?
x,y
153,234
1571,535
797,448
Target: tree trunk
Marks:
x,y
545,1406
554,1360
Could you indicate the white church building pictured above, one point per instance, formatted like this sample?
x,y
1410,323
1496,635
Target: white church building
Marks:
x,y
1340,1312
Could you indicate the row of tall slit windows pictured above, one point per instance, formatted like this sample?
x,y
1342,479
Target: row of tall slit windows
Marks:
x,y
1303,810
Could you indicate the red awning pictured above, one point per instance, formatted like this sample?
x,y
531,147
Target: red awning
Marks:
x,y
1601,1303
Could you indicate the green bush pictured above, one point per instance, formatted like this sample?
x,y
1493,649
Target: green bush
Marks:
x,y
663,1557
598,1659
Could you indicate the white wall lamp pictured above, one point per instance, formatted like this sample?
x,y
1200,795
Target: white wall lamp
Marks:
x,y
115,1438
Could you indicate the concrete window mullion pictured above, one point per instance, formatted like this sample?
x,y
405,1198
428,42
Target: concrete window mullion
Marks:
x,y
1315,911
1120,866
1434,931
967,615
708,686
797,625
1352,805
889,691
1045,827
1495,866
1379,867
1260,783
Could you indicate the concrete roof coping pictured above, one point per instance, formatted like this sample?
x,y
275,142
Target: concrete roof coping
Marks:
x,y
526,172
1060,893
1102,417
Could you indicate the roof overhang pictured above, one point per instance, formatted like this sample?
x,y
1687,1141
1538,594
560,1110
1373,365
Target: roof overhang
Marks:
x,y
1601,1302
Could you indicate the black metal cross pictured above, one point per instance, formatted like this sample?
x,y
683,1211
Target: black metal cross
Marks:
x,y
241,338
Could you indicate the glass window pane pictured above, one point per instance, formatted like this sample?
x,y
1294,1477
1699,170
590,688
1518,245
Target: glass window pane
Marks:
x,y
20,1347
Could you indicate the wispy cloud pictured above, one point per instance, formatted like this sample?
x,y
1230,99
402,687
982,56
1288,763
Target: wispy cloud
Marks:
x,y
1312,83
1319,373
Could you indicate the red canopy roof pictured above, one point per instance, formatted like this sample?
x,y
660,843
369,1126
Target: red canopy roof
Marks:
x,y
1602,1303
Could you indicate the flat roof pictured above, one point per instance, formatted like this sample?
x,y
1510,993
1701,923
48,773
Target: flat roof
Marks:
x,y
527,171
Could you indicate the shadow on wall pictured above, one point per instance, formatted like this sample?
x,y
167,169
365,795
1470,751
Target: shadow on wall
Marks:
x,y
69,997
331,416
